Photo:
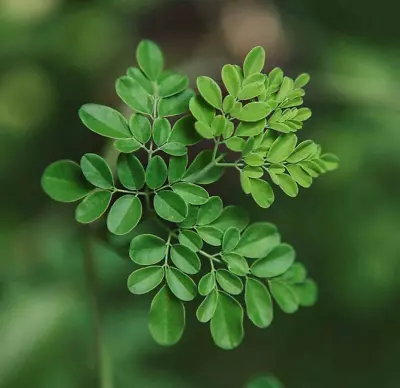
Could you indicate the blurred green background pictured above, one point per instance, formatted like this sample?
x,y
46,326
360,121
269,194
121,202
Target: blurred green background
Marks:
x,y
56,55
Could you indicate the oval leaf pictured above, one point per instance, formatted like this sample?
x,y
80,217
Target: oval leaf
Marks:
x,y
124,214
237,264
184,132
192,194
150,59
171,83
147,249
130,171
185,259
231,79
254,111
97,171
130,92
262,192
176,168
145,279
230,239
93,206
258,303
175,105
156,172
140,127
207,307
210,211
229,282
181,285
254,61
170,206
190,239
284,296
210,91
210,235
207,283
281,148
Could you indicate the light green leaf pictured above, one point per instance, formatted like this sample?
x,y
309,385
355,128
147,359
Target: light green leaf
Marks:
x,y
262,193
140,127
311,168
280,127
207,307
284,296
245,183
258,240
124,214
203,169
255,78
145,280
93,206
231,79
104,121
130,91
185,259
302,151
254,111
230,239
170,206
210,235
299,175
282,148
150,59
229,282
258,303
218,125
237,108
228,103
191,193
250,129
161,130
63,181
237,264
288,185
177,168
156,172
330,161
127,145
254,61
141,79
231,216
250,91
210,91
297,273
286,88
254,159
167,318
207,283
278,261
275,76
228,130
130,171
307,293
227,322
303,114
174,148
248,147
302,80
253,172
202,111
235,144
97,171
181,285
175,105
210,211
204,130
147,249
191,240
170,84
184,132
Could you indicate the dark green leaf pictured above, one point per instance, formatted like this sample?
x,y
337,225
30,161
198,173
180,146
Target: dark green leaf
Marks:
x,y
210,91
140,127
161,131
230,239
229,282
174,148
175,105
207,307
190,220
127,145
297,273
284,296
258,303
171,83
184,132
203,170
190,239
330,161
231,79
130,91
124,214
93,206
63,181
254,61
176,168
191,193
202,111
150,59
185,259
207,283
262,192
210,235
156,172
181,285
130,171
307,293
146,279
97,171
210,211
147,249
231,216
237,264
170,206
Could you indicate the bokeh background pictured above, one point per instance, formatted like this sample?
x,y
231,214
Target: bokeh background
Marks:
x,y
59,315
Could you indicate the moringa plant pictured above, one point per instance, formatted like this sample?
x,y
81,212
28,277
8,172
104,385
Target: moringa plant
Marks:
x,y
252,125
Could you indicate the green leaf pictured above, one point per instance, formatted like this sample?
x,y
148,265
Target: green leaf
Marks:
x,y
203,170
231,79
191,193
207,283
286,88
190,220
248,147
235,144
307,293
254,111
218,125
302,80
150,59
297,273
204,130
175,105
255,78
210,211
201,110
237,264
280,127
184,132
175,149
177,168
258,240
156,172
130,171
130,92
230,239
63,181
227,322
147,249
207,307
302,151
258,303
254,172
251,91
181,285
303,114
145,280
288,185
237,108
97,171
228,103
185,259
330,161
210,91
104,121
311,168
245,183
254,160
167,318
141,79
231,216
93,206
250,129
170,83
127,145
124,214
228,130
282,148
275,76
284,296
254,61
210,235
262,193
191,240
229,282
299,175
140,127
170,206
278,261
161,130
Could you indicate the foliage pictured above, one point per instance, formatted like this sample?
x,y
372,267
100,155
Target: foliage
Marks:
x,y
257,119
